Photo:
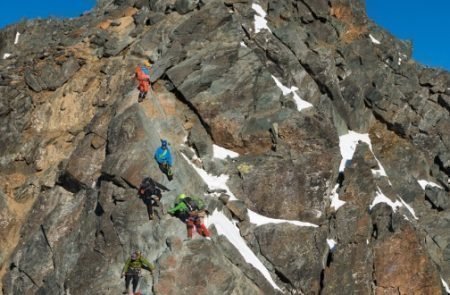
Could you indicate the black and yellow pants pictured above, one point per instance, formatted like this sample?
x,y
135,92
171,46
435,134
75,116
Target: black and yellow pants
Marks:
x,y
166,169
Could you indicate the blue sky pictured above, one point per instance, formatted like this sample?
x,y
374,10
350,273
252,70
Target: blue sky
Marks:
x,y
426,23
13,11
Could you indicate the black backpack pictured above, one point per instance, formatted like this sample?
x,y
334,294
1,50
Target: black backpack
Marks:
x,y
191,204
148,188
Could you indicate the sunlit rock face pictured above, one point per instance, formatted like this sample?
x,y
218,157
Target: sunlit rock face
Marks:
x,y
333,177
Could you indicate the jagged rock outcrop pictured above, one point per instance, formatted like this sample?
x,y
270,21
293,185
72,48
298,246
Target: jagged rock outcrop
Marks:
x,y
178,275
350,265
296,254
76,144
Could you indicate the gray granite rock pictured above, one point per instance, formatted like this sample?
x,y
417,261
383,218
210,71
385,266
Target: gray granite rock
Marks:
x,y
185,6
81,213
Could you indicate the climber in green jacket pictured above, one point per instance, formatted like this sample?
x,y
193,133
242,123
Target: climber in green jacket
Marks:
x,y
132,270
192,211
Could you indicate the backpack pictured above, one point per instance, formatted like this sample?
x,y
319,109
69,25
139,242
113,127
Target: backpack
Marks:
x,y
142,73
194,203
146,71
148,187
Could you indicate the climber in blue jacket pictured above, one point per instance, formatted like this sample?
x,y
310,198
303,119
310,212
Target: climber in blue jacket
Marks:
x,y
164,159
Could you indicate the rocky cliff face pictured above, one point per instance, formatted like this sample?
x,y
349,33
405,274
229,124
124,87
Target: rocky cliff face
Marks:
x,y
288,85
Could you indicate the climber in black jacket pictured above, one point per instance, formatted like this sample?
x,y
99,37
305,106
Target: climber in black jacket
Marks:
x,y
150,195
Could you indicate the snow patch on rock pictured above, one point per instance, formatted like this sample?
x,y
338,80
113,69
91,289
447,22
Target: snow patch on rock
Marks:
x,y
225,227
260,18
213,182
331,244
381,198
374,41
424,183
335,202
444,283
347,145
410,209
258,219
301,104
16,40
220,183
223,153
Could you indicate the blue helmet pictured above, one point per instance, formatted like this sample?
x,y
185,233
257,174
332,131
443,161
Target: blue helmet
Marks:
x,y
163,143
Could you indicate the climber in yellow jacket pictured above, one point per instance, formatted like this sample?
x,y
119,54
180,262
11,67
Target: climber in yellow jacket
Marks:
x,y
132,270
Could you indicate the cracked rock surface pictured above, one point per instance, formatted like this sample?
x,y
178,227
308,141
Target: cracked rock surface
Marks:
x,y
75,144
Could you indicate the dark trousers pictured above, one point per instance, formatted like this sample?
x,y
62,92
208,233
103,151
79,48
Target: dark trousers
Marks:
x,y
150,201
132,276
166,169
142,96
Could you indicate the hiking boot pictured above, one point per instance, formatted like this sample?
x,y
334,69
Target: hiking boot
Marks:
x,y
170,174
141,97
157,214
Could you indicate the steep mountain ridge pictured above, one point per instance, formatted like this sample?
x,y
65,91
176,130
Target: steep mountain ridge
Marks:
x,y
76,144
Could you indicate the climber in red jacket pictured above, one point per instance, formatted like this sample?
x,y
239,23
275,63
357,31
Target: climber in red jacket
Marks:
x,y
142,74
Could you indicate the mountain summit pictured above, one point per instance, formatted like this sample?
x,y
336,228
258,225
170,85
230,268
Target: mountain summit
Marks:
x,y
319,148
